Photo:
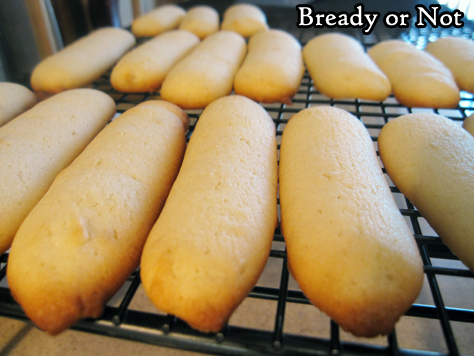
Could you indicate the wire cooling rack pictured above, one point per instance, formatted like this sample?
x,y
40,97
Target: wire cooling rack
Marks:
x,y
440,322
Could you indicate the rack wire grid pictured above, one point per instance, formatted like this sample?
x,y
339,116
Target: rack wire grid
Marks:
x,y
440,322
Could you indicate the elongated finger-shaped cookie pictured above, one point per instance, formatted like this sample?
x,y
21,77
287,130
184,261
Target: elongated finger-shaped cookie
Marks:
x,y
14,100
37,145
418,79
213,237
457,54
349,248
82,62
203,21
207,73
431,160
245,19
144,69
340,68
85,236
162,19
273,68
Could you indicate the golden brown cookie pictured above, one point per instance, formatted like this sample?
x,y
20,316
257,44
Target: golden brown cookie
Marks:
x,y
340,68
38,144
207,73
457,54
348,246
83,61
144,69
162,19
203,21
213,237
245,19
84,238
431,160
14,100
273,68
418,79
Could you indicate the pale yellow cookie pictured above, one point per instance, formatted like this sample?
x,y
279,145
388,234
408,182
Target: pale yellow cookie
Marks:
x,y
83,61
340,68
468,124
273,68
431,160
457,54
418,79
245,19
38,144
207,73
213,237
203,21
84,238
14,100
144,69
349,248
164,18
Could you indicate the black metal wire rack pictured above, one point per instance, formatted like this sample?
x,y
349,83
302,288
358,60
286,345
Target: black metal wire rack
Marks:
x,y
444,275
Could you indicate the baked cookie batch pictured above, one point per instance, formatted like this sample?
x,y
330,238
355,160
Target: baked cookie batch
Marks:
x,y
82,206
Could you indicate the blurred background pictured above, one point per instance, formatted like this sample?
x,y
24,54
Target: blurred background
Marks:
x,y
31,30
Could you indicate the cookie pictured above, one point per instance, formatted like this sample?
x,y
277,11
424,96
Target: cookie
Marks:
x,y
418,79
273,68
14,100
162,19
457,54
144,69
213,237
245,19
83,61
431,160
468,124
207,73
203,21
38,144
349,248
341,69
84,238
